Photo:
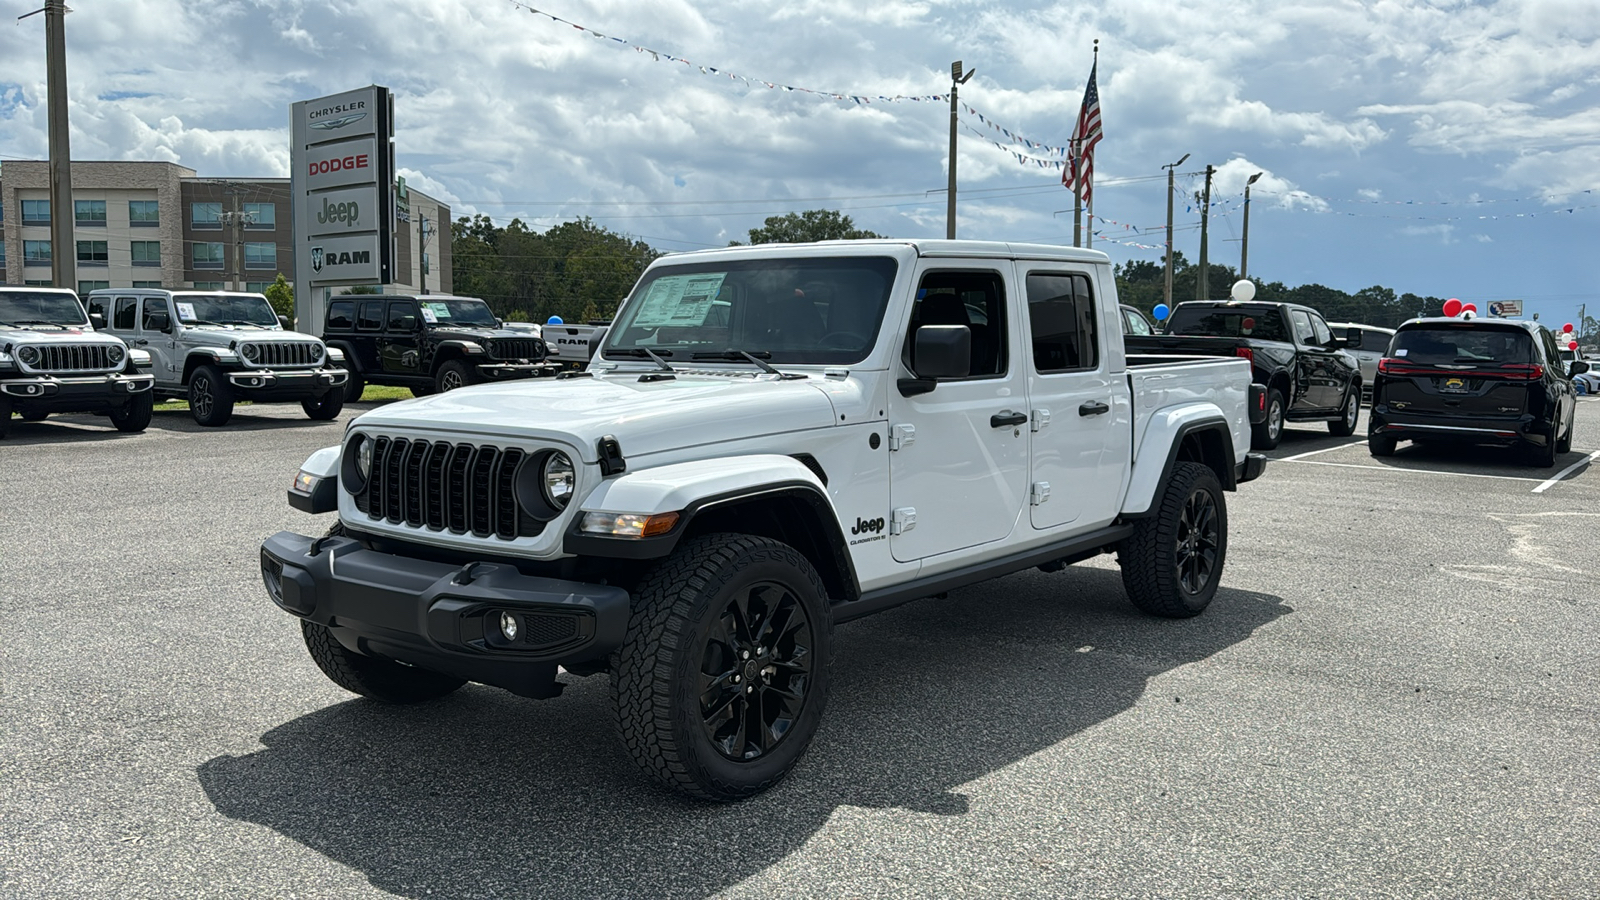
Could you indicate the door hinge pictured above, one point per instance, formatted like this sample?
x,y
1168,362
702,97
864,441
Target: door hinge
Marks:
x,y
1040,493
902,436
903,520
1041,419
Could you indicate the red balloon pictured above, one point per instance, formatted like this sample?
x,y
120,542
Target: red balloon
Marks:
x,y
1470,307
1567,328
1572,345
1452,307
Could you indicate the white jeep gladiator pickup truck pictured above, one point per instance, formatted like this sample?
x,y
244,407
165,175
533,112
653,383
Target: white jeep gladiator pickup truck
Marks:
x,y
772,440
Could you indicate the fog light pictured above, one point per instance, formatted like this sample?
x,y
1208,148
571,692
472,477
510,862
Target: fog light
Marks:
x,y
508,626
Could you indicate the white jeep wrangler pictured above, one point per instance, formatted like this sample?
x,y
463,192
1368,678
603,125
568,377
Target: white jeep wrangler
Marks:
x,y
52,361
772,440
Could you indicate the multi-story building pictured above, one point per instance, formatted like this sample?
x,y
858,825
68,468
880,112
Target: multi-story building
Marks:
x,y
158,224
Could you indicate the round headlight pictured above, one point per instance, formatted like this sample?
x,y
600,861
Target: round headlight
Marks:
x,y
115,353
363,457
317,353
559,479
28,356
251,352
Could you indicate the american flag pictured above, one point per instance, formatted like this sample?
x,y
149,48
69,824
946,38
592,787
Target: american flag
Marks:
x,y
1078,174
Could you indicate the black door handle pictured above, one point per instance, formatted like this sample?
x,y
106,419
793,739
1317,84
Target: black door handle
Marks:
x,y
141,342
1093,408
1007,419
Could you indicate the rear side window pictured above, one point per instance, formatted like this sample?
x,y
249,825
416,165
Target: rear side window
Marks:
x,y
1061,317
371,318
341,315
1463,345
1264,324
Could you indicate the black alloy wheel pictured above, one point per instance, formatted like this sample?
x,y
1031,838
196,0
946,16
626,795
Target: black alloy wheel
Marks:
x,y
1172,563
210,396
754,671
1199,542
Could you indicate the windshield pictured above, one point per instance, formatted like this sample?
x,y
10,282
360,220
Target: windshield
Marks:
x,y
457,311
1458,345
225,309
40,308
1264,324
823,310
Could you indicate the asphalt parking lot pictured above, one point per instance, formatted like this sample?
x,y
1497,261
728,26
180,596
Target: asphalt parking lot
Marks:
x,y
1396,693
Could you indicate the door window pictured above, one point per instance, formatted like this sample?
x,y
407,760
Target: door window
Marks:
x,y
100,305
398,312
152,306
1302,327
371,318
1061,317
127,312
975,299
1320,329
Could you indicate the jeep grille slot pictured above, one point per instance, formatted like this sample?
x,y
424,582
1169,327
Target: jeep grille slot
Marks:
x,y
283,354
515,348
74,358
460,488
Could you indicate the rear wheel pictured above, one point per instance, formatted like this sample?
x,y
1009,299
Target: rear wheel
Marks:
x,y
135,415
326,407
1267,435
1172,562
1564,445
1345,425
369,676
354,387
210,397
1380,445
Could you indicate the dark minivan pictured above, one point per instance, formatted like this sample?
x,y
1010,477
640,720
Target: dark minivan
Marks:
x,y
1474,381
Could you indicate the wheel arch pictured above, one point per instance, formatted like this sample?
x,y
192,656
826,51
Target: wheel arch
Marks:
x,y
1194,434
204,357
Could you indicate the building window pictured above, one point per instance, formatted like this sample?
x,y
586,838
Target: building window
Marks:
x,y
93,253
263,216
208,255
147,284
85,287
35,282
2,254
257,287
36,212
89,213
424,263
208,285
144,213
36,253
205,215
260,255
146,253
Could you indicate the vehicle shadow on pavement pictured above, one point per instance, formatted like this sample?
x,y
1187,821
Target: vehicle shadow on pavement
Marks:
x,y
485,794
67,428
242,420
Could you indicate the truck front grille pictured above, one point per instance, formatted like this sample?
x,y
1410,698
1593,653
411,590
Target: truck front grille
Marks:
x,y
283,354
441,486
516,348
65,358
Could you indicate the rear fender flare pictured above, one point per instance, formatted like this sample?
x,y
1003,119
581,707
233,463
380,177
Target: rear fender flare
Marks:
x,y
1160,446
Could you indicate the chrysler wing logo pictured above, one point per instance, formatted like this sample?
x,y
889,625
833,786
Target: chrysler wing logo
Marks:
x,y
342,121
316,259
1454,383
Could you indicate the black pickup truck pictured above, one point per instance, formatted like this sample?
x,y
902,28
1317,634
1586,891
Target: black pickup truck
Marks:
x,y
1308,374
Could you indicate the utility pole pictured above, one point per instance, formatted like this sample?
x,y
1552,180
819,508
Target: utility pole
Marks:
x,y
1201,285
1244,246
1167,294
956,80
63,251
235,219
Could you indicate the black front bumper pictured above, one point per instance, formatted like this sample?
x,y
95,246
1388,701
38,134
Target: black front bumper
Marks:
x,y
72,393
268,385
445,617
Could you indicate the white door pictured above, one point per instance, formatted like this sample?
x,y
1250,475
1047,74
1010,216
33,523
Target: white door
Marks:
x,y
1080,412
958,461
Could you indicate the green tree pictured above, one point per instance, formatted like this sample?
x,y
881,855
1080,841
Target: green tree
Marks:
x,y
280,293
575,270
362,289
802,228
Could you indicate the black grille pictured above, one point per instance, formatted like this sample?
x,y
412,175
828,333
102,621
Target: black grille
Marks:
x,y
284,354
75,358
544,630
443,486
516,348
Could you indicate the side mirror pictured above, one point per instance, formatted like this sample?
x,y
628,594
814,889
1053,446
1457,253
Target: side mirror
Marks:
x,y
97,320
283,322
943,351
499,323
159,322
408,323
1579,367
1337,344
1352,338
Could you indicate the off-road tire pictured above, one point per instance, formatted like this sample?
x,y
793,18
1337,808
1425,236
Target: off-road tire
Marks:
x,y
1380,445
35,415
454,374
354,386
369,676
134,416
325,408
1267,435
210,397
1349,413
1189,520
678,610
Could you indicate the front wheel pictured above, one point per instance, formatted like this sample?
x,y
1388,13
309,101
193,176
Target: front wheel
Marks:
x,y
1172,562
325,408
210,397
1380,445
1267,435
720,683
369,676
135,415
353,388
453,374
1345,425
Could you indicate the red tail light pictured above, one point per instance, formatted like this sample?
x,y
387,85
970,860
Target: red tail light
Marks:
x,y
1245,353
1527,371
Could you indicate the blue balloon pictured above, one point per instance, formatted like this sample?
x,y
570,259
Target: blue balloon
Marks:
x,y
1162,311
554,320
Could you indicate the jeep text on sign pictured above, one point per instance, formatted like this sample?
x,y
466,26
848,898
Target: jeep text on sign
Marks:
x,y
344,211
340,165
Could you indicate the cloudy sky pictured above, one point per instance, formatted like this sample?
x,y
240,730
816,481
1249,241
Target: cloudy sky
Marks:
x,y
1441,147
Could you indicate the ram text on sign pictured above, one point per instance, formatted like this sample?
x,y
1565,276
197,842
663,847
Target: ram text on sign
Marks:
x,y
353,258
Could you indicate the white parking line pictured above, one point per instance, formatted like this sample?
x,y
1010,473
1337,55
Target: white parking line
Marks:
x,y
1561,475
1318,462
1323,450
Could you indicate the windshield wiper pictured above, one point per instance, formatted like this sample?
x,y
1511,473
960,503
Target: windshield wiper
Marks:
x,y
243,322
21,322
645,351
754,357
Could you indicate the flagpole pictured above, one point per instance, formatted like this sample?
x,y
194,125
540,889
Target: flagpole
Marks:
x,y
1089,238
1077,198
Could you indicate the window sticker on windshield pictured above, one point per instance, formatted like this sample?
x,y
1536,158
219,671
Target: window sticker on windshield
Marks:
x,y
679,300
186,312
429,316
439,311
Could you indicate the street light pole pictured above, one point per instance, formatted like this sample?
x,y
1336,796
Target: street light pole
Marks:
x,y
1244,245
956,80
63,251
1167,294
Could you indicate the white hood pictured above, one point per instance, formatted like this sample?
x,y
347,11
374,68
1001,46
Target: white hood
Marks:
x,y
646,417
